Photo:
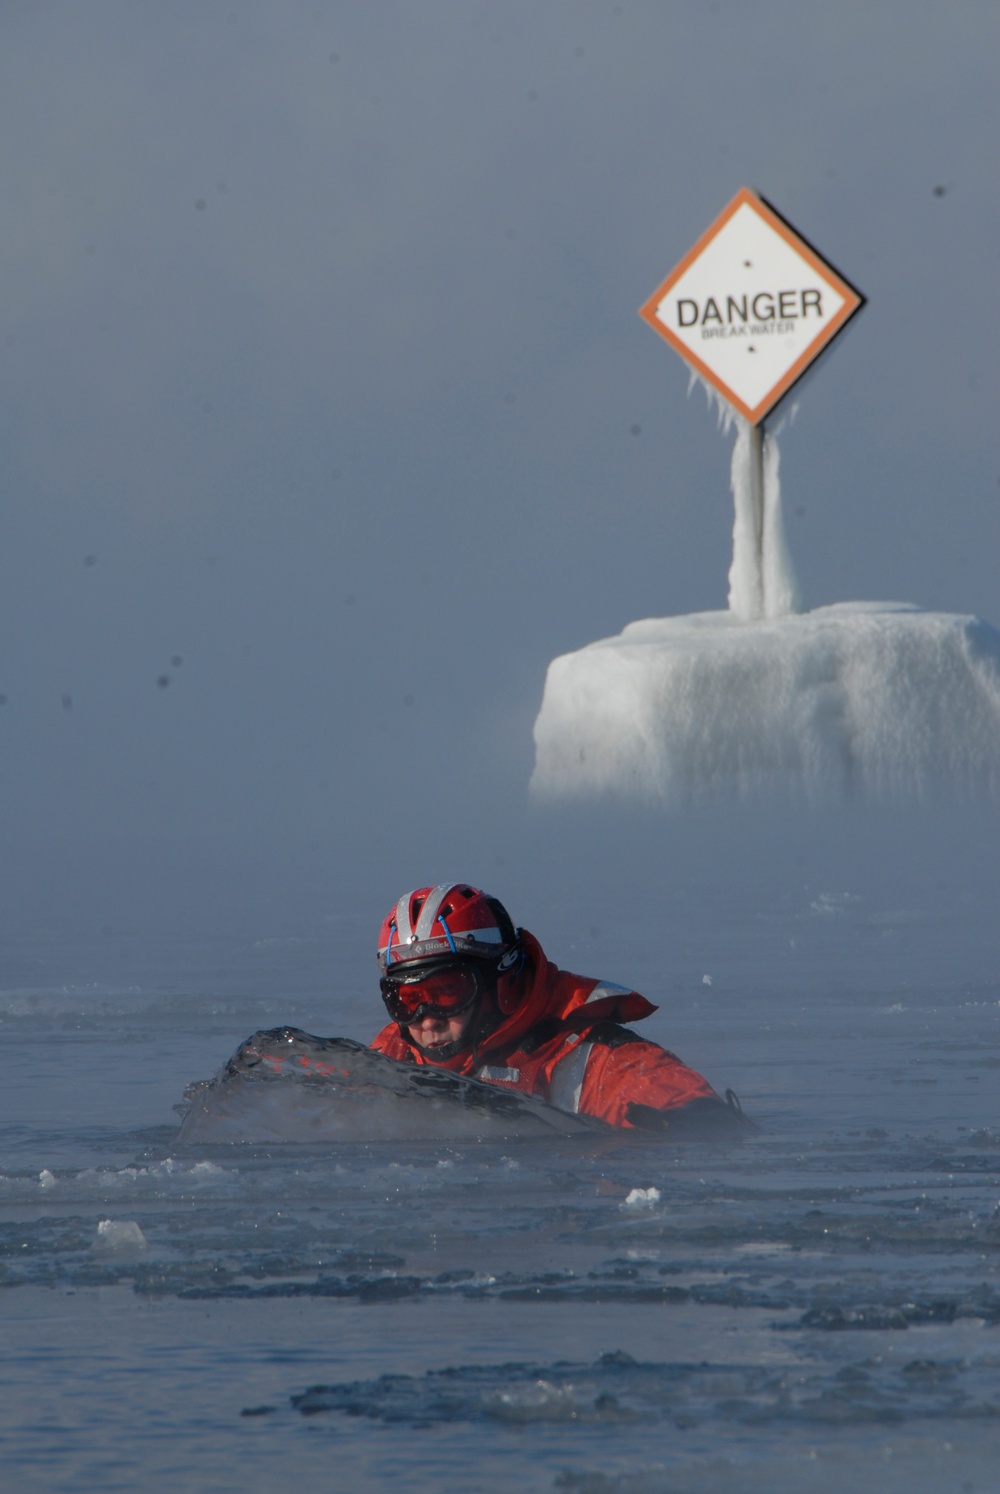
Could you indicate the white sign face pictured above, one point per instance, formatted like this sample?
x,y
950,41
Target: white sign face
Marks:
x,y
751,306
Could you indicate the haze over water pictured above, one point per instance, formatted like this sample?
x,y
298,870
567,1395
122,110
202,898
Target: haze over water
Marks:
x,y
330,421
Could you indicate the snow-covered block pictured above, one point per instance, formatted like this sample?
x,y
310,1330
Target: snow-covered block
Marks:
x,y
870,696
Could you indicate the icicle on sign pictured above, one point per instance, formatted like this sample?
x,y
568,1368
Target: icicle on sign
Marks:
x,y
751,306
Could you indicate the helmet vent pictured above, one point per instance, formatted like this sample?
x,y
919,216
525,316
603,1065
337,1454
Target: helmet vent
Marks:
x,y
433,922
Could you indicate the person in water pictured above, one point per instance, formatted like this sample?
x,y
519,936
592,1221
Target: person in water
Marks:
x,y
467,991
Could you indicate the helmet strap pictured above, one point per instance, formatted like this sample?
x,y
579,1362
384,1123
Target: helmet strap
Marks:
x,y
512,978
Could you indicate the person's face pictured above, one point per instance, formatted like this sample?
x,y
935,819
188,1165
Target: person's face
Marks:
x,y
436,1032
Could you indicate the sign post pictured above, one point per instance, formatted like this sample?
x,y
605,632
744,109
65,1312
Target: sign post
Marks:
x,y
749,308
757,491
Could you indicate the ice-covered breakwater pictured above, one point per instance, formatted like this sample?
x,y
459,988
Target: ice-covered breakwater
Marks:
x,y
873,696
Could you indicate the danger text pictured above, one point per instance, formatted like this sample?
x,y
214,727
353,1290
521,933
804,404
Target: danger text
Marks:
x,y
737,311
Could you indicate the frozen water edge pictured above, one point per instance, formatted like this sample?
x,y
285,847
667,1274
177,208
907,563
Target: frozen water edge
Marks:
x,y
874,696
846,1258
204,1400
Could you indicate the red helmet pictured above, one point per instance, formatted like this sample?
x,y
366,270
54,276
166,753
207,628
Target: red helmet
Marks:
x,y
447,922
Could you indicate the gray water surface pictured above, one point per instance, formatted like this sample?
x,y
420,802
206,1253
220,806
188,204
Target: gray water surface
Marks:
x,y
816,1308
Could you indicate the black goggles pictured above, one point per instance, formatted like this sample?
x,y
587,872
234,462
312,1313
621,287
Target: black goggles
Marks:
x,y
445,991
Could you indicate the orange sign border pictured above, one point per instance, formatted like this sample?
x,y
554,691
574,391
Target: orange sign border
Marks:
x,y
853,302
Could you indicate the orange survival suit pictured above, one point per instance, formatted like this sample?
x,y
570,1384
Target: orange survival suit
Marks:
x,y
565,1044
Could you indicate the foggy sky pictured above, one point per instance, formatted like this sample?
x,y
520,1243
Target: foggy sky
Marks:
x,y
323,375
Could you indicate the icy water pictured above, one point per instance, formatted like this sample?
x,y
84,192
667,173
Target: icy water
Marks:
x,y
816,1309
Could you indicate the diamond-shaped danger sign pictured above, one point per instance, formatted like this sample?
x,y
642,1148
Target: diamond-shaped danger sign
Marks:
x,y
751,306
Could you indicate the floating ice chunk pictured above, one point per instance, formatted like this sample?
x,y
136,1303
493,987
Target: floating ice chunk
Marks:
x,y
120,1237
542,1401
642,1198
834,902
286,1085
47,1179
871,696
706,980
